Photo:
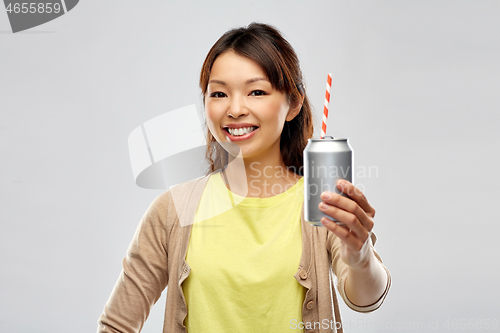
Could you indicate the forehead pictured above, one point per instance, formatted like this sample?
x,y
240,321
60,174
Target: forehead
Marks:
x,y
232,65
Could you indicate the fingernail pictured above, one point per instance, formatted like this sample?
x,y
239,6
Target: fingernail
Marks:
x,y
325,221
325,195
340,182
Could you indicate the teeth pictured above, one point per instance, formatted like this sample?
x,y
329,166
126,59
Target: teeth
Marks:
x,y
240,131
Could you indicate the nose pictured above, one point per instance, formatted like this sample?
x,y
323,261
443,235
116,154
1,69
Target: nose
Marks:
x,y
237,107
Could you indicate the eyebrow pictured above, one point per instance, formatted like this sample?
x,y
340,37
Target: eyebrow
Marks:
x,y
246,82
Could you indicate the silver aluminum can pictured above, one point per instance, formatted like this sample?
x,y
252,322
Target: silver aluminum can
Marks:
x,y
325,161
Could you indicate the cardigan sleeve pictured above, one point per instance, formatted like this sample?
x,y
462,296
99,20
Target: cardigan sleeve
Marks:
x,y
340,269
144,275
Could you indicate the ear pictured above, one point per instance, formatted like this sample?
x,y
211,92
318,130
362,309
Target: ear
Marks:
x,y
294,109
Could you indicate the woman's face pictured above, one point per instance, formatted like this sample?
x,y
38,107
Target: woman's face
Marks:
x,y
239,99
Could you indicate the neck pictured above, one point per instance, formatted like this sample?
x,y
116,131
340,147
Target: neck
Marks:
x,y
262,178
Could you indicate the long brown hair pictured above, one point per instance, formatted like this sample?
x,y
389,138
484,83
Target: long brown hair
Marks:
x,y
265,45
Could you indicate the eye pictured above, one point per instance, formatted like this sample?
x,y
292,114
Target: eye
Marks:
x,y
218,94
258,93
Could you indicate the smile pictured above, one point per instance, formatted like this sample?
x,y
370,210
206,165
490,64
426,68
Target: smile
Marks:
x,y
243,133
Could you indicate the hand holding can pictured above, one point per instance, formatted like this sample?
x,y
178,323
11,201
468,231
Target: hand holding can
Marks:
x,y
326,161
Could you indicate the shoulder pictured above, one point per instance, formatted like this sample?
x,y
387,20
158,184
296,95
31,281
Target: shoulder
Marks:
x,y
179,202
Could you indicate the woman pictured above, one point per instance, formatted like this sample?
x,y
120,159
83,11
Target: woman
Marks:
x,y
232,246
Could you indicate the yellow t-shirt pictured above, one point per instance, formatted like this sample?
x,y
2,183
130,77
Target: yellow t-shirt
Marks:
x,y
243,259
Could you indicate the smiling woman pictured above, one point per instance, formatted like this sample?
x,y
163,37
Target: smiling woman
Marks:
x,y
251,263
239,96
271,68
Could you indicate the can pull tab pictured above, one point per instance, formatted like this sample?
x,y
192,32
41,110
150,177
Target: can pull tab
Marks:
x,y
328,137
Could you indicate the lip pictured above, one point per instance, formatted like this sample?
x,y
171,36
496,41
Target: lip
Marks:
x,y
239,125
241,137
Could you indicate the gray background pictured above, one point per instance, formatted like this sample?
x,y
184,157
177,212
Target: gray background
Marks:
x,y
415,89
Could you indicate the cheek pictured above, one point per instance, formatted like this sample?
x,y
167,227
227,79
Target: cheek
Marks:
x,y
209,116
211,111
280,112
213,121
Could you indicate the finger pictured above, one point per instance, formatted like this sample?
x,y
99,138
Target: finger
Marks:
x,y
355,194
350,206
345,235
348,218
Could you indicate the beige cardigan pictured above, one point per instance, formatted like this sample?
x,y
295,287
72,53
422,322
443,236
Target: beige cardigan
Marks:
x,y
156,259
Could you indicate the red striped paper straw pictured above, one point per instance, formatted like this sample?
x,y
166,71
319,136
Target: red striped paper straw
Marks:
x,y
327,101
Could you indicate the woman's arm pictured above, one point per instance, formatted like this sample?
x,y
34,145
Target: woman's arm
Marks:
x,y
364,279
144,275
366,283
